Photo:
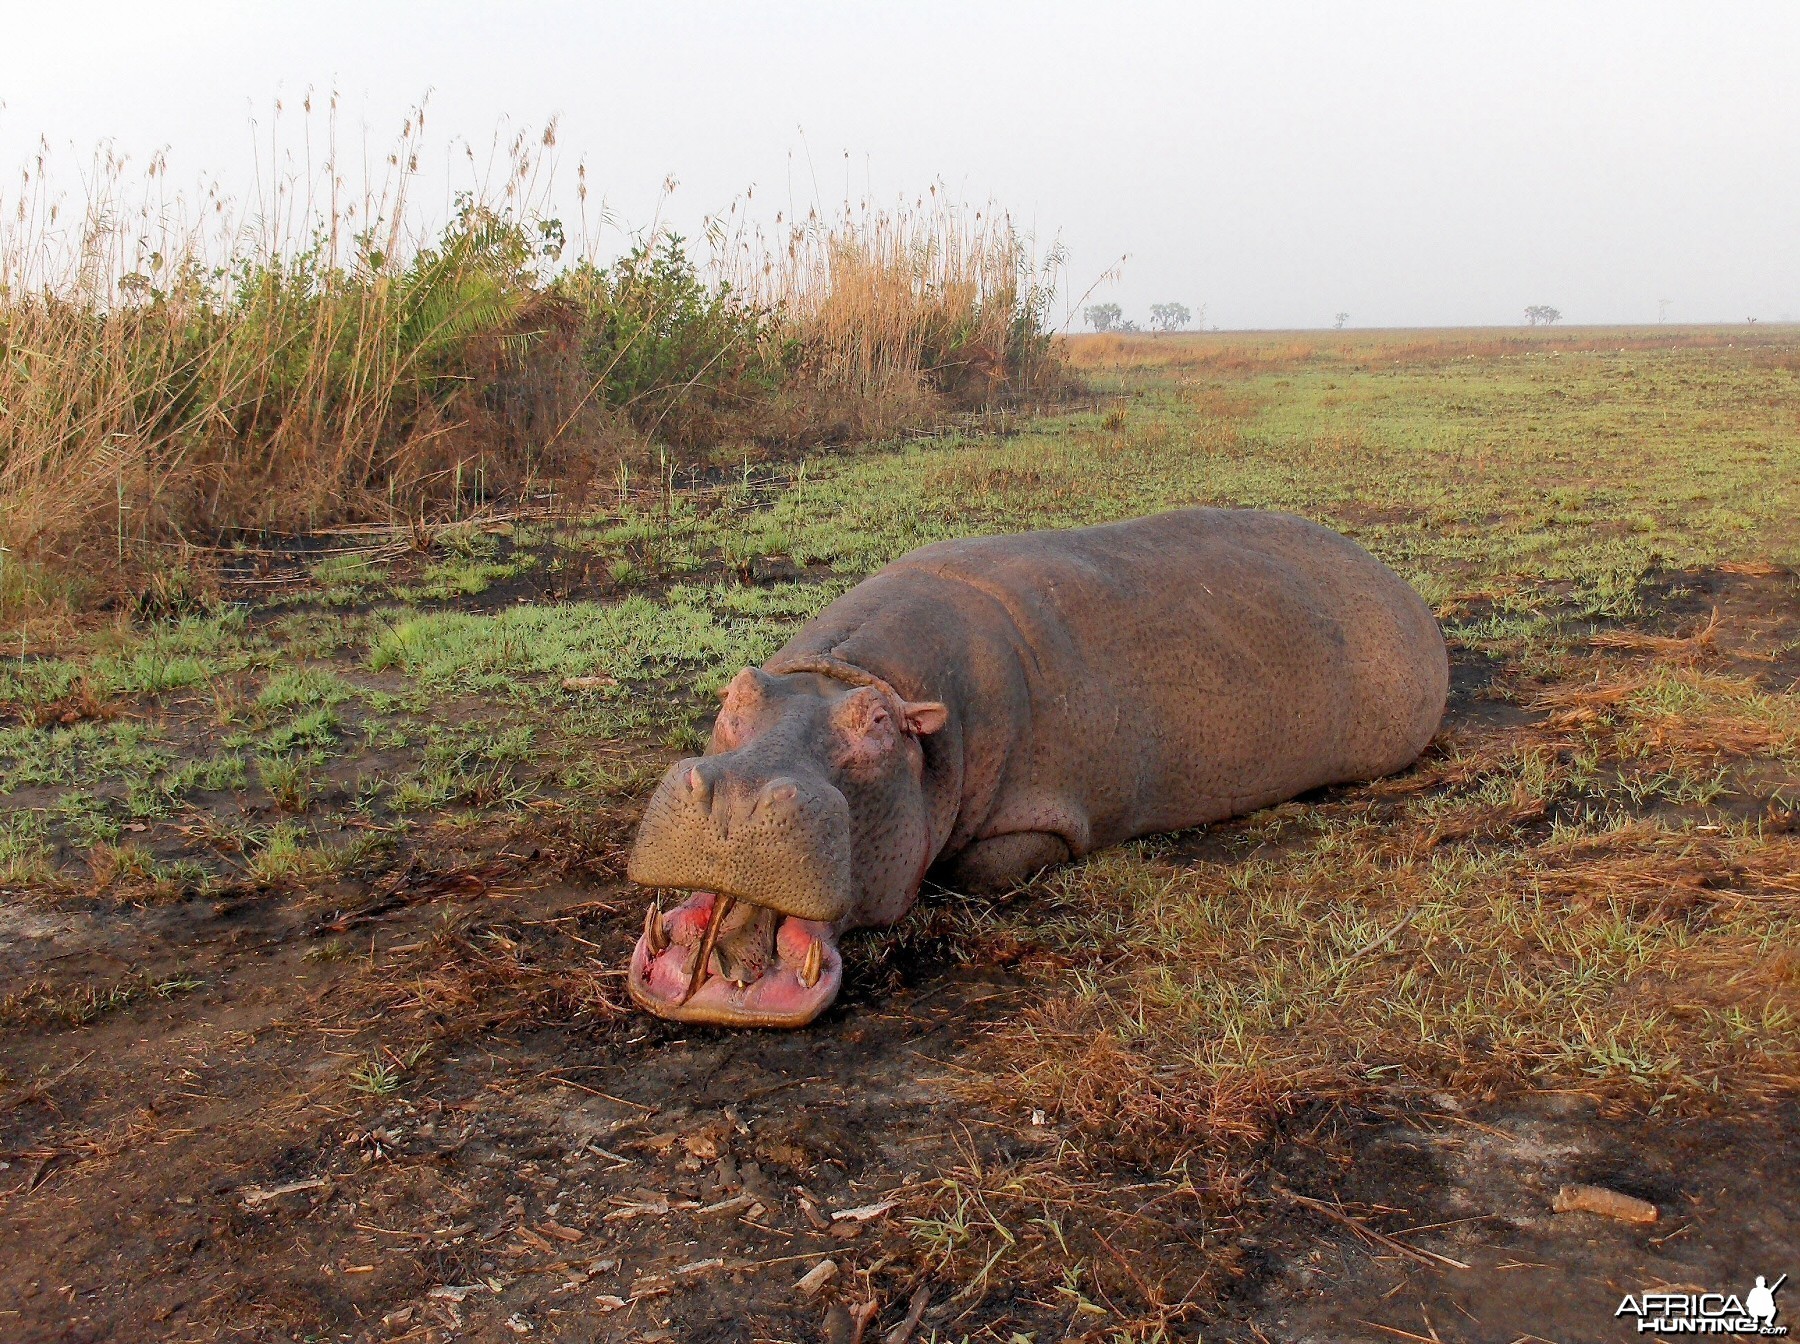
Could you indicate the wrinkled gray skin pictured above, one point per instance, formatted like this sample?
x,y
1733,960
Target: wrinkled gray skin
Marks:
x,y
985,707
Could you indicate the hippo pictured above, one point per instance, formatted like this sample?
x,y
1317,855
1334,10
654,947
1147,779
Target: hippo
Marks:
x,y
984,708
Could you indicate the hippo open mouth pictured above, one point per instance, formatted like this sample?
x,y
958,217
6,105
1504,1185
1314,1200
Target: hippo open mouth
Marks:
x,y
729,962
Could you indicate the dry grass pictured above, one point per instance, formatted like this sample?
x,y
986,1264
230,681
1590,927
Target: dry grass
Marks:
x,y
480,980
1251,353
1095,1253
1233,353
1520,911
177,371
1588,888
37,1003
881,299
1237,994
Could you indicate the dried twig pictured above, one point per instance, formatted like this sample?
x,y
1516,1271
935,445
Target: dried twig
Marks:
x,y
1429,1258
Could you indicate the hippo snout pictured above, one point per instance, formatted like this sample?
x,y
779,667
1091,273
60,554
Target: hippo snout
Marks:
x,y
780,841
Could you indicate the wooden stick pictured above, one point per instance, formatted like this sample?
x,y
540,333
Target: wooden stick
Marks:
x,y
1430,1259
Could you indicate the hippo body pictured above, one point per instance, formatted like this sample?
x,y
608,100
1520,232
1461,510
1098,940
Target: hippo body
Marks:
x,y
984,707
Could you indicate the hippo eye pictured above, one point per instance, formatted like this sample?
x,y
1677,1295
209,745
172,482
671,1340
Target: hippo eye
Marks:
x,y
865,728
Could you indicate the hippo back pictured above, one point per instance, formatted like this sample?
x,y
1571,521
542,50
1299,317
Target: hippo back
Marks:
x,y
1143,676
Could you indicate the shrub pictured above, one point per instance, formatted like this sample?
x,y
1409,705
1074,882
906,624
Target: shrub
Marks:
x,y
673,353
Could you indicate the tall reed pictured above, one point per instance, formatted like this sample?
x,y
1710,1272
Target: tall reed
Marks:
x,y
182,367
879,297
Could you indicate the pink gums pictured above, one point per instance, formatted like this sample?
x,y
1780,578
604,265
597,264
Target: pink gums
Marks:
x,y
776,999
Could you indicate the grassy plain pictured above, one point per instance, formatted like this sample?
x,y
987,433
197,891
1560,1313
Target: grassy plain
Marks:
x,y
1589,884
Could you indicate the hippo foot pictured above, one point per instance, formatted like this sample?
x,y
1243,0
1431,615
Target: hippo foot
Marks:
x,y
761,969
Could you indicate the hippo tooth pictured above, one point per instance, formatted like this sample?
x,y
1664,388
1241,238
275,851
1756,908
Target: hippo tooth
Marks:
x,y
656,938
814,963
697,969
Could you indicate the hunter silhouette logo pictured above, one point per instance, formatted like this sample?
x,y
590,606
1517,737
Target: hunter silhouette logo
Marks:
x,y
1707,1313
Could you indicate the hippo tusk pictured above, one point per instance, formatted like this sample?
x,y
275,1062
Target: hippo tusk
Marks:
x,y
697,976
656,937
814,963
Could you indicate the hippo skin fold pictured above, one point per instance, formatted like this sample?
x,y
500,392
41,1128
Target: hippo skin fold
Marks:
x,y
983,708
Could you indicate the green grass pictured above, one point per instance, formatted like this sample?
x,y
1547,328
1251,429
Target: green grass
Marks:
x,y
316,729
82,753
382,1075
303,688
1337,958
477,764
85,818
1527,484
133,872
1466,474
24,857
463,575
150,659
698,634
1599,900
312,634
150,671
37,681
36,1004
343,579
216,774
290,780
287,854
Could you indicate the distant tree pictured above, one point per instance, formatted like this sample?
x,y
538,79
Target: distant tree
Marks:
x,y
1128,327
1170,316
1337,323
1103,316
1541,312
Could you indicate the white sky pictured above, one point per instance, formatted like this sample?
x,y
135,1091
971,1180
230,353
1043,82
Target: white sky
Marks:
x,y
1411,164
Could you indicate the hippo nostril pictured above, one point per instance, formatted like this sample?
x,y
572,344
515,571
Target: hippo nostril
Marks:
x,y
778,790
698,787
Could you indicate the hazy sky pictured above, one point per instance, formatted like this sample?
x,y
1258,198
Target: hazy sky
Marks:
x,y
1425,164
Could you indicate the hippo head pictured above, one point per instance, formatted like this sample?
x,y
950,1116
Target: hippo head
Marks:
x,y
806,816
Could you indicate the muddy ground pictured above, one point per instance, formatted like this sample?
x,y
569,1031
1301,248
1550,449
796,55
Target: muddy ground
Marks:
x,y
417,1107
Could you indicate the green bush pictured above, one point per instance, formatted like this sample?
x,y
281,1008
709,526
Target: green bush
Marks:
x,y
670,351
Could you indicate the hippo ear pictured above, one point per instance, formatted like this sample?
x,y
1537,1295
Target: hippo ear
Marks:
x,y
924,717
737,716
745,687
864,726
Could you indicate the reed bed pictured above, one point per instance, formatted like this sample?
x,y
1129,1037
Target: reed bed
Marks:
x,y
180,370
880,297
